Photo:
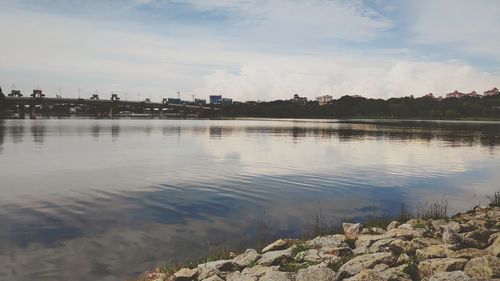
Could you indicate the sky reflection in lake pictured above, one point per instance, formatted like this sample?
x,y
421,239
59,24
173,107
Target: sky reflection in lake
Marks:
x,y
106,199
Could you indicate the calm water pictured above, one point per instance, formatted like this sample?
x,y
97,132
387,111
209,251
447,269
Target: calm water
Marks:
x,y
107,199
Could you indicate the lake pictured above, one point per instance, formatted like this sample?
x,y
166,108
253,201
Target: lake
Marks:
x,y
88,199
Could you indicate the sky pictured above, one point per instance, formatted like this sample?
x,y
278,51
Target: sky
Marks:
x,y
249,50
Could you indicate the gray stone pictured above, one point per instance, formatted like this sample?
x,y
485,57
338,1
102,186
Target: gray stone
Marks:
x,y
450,276
209,269
315,273
337,240
352,230
245,259
431,266
185,274
368,261
433,251
485,267
279,244
391,274
392,225
213,278
275,257
450,236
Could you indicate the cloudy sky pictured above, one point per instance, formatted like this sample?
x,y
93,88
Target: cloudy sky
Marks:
x,y
249,50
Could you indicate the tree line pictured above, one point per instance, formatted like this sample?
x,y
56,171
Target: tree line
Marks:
x,y
361,107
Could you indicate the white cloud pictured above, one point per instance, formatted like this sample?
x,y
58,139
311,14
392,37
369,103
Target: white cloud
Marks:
x,y
260,50
471,26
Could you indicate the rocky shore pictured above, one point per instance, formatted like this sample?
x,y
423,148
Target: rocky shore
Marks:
x,y
463,247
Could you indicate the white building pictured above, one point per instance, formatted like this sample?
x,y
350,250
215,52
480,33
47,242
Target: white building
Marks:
x,y
326,99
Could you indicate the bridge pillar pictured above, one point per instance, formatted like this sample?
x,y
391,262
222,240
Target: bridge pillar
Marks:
x,y
21,109
3,104
110,111
32,110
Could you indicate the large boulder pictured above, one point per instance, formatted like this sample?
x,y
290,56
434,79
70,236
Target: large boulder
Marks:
x,y
451,237
485,267
429,267
368,261
392,225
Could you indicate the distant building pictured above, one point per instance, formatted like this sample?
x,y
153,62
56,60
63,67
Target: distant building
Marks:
x,y
37,94
299,100
215,99
491,92
115,97
15,93
455,94
94,97
174,101
473,94
326,99
226,101
200,101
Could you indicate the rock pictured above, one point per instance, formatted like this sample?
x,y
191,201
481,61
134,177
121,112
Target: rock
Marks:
x,y
407,226
157,276
245,259
336,251
365,231
401,246
185,274
451,237
450,276
377,230
455,226
420,243
351,230
476,239
392,225
311,255
431,266
368,261
275,257
279,244
467,253
381,245
276,276
380,267
405,233
403,258
250,274
438,224
390,274
218,268
213,278
337,240
485,267
432,252
494,248
315,273
364,242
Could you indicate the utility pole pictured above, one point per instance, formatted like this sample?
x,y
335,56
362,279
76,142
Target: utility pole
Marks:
x,y
179,95
79,92
193,97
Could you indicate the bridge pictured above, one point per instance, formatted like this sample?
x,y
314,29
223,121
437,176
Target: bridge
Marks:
x,y
101,107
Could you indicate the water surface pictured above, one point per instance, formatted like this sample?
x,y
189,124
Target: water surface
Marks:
x,y
84,199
